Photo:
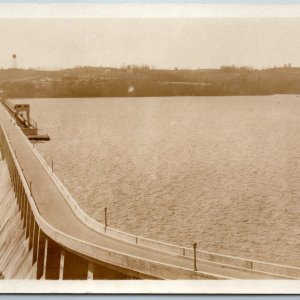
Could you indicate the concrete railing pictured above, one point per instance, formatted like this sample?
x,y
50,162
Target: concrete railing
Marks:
x,y
149,243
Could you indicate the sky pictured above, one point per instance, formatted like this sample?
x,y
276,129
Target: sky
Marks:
x,y
161,43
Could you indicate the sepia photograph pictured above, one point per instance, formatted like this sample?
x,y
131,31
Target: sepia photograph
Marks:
x,y
137,148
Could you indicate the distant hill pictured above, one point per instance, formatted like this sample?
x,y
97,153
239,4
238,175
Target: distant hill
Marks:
x,y
142,81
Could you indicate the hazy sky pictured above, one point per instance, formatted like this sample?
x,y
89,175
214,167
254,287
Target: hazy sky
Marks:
x,y
163,43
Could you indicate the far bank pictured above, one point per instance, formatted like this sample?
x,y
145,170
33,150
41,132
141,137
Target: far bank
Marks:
x,y
141,81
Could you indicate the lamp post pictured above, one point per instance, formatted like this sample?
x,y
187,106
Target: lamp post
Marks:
x,y
105,217
195,257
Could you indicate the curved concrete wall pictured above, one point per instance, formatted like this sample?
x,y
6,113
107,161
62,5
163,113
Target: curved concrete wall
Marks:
x,y
15,259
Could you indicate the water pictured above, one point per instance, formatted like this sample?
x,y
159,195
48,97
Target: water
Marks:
x,y
222,171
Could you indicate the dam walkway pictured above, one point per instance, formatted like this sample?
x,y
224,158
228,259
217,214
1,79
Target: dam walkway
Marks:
x,y
68,244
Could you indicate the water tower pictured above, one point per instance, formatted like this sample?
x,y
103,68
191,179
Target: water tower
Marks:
x,y
14,61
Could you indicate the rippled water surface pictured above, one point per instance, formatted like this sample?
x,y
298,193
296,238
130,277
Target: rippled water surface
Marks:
x,y
222,171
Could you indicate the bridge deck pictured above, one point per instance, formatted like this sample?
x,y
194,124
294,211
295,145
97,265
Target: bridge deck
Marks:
x,y
55,210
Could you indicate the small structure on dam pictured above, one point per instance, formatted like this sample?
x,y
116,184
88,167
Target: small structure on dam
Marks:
x,y
21,113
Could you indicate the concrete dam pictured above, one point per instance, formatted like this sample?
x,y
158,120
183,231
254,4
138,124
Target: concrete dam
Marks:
x,y
45,235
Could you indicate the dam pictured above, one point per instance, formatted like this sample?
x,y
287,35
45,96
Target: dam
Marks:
x,y
45,235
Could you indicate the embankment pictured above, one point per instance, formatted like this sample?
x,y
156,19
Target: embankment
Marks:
x,y
15,259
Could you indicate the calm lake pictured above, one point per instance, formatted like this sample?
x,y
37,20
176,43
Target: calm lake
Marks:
x,y
221,171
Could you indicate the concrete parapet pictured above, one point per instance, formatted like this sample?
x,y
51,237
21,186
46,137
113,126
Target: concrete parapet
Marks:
x,y
121,235
160,246
275,269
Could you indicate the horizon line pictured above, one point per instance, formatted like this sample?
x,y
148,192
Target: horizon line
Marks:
x,y
149,67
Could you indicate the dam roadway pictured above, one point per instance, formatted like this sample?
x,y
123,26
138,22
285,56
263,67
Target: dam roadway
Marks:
x,y
119,254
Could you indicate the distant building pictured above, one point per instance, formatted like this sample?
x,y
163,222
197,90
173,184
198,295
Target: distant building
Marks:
x,y
41,82
69,77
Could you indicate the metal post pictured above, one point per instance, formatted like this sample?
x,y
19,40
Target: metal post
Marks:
x,y
30,184
195,261
105,215
52,165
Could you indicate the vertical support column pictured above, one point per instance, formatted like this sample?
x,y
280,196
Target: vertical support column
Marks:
x,y
31,230
25,213
90,275
75,267
13,174
18,188
40,254
1,147
62,264
21,198
3,151
15,180
35,242
11,170
52,260
45,257
28,220
23,204
17,184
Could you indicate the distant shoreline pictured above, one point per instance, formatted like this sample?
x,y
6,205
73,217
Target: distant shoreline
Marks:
x,y
141,81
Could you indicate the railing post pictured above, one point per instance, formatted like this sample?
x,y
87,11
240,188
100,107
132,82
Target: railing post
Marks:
x,y
195,257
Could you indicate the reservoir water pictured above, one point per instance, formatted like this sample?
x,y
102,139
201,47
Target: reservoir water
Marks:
x,y
221,171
